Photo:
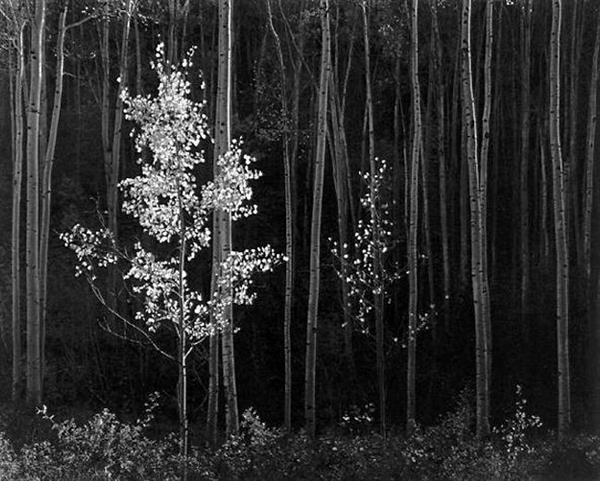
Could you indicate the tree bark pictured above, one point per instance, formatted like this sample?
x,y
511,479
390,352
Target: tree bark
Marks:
x,y
315,233
32,267
524,170
375,228
478,273
441,153
289,234
413,226
589,158
560,229
222,145
47,166
17,372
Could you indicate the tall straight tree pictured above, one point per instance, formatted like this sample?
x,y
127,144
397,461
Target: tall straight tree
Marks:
x,y
478,264
441,153
111,139
413,225
524,167
560,228
32,252
589,157
378,301
17,152
483,174
222,145
289,233
315,231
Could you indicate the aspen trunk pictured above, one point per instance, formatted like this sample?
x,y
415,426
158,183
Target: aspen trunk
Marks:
x,y
560,229
375,227
34,381
315,232
413,226
17,372
589,158
441,153
339,156
524,174
483,180
47,166
478,265
289,240
182,341
222,145
572,213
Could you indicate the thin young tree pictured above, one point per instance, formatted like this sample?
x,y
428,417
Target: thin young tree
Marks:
x,y
170,210
560,228
315,230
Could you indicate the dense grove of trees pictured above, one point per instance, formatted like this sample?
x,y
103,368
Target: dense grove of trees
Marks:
x,y
429,173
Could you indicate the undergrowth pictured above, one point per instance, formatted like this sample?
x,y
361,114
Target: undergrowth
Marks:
x,y
104,448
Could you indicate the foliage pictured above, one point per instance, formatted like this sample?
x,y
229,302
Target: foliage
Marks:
x,y
104,448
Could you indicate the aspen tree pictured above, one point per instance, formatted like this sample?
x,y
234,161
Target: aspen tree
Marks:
x,y
315,230
222,145
32,253
589,157
341,174
441,153
478,265
111,139
289,234
483,178
524,167
560,228
18,132
413,225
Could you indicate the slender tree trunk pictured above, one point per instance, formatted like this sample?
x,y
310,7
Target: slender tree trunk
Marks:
x,y
413,226
441,152
182,341
47,166
339,155
34,381
589,158
17,372
560,229
222,145
524,171
289,238
483,179
478,273
573,218
115,149
375,227
315,235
